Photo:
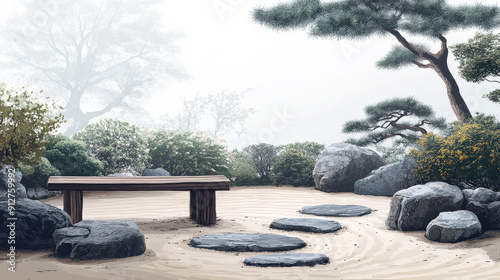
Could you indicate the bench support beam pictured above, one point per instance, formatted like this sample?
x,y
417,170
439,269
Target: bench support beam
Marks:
x,y
202,207
73,205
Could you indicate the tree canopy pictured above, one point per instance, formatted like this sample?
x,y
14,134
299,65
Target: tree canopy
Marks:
x,y
384,121
480,60
358,19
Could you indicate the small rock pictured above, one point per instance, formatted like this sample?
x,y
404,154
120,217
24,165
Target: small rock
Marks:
x,y
306,225
453,227
285,260
483,195
336,210
155,172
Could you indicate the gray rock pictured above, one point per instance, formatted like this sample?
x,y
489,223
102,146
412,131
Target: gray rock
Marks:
x,y
247,242
342,164
467,194
336,210
99,240
38,193
497,198
155,172
415,207
120,175
487,213
483,195
306,224
291,259
4,182
453,227
388,179
35,224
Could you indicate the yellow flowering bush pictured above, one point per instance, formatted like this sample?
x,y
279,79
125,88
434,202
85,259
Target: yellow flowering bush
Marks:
x,y
467,156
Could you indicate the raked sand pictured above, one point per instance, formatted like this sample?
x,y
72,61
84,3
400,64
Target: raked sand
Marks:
x,y
363,249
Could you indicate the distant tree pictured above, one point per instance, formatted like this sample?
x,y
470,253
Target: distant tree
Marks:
x,y
24,122
357,19
384,121
310,149
227,112
480,60
264,157
224,111
98,54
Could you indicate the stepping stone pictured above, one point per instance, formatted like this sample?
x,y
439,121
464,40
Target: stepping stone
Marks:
x,y
99,239
336,210
453,227
293,259
247,242
306,224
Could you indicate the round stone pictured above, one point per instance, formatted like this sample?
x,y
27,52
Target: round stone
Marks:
x,y
247,242
293,259
306,224
336,210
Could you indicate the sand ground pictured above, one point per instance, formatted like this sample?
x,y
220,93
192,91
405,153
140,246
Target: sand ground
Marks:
x,y
363,249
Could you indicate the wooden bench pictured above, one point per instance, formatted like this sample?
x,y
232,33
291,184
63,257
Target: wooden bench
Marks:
x,y
202,191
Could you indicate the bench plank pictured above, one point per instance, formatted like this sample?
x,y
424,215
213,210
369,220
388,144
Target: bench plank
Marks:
x,y
139,183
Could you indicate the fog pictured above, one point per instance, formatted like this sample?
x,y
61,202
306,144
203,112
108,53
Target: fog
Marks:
x,y
302,88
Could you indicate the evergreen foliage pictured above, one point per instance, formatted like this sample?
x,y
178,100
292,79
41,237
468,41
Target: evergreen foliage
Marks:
x,y
243,172
293,167
384,121
263,156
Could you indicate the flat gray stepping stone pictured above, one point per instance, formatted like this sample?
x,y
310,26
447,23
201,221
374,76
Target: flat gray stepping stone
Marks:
x,y
306,224
247,242
99,240
336,210
292,259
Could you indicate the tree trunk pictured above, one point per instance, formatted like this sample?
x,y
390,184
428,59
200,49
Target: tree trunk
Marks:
x,y
457,102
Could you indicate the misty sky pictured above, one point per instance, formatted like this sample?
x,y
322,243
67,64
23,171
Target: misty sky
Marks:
x,y
303,88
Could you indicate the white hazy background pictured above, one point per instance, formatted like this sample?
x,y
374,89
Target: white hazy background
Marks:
x,y
303,88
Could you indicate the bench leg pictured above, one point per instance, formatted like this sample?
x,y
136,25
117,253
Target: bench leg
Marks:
x,y
205,207
73,205
192,205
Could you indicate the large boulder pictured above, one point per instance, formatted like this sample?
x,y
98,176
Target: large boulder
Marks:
x,y
415,207
34,225
100,239
453,227
487,213
388,179
342,164
5,170
155,172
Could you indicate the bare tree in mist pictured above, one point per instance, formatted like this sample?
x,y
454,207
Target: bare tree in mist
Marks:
x,y
100,56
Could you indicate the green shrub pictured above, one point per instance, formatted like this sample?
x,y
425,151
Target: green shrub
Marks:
x,y
264,156
38,176
70,157
469,153
118,145
243,171
24,121
295,168
187,153
311,149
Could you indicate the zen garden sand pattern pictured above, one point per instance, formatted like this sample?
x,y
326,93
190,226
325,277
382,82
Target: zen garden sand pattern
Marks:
x,y
362,249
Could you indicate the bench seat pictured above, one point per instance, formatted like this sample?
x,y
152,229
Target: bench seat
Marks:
x,y
202,191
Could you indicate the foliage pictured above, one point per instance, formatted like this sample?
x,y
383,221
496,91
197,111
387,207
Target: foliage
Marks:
x,y
359,19
70,157
111,52
395,153
384,121
38,176
468,154
293,167
310,149
24,121
479,59
264,157
118,145
187,153
242,169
